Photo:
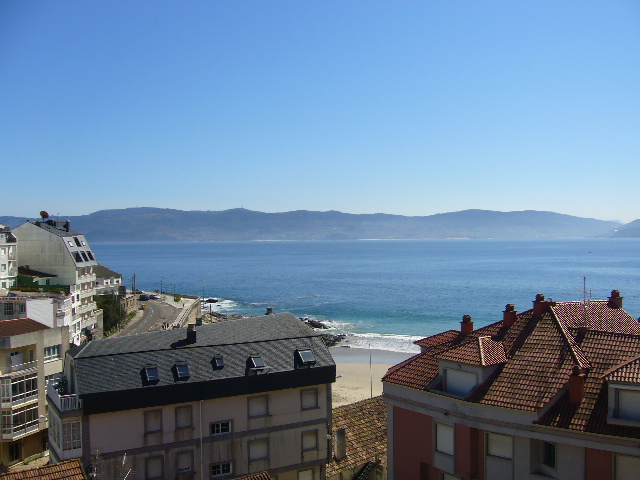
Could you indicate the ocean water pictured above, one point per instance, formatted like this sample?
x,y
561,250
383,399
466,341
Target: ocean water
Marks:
x,y
384,294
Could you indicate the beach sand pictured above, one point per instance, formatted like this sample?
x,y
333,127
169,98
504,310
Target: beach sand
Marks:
x,y
357,377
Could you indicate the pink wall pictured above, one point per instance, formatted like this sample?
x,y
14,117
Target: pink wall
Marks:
x,y
469,452
412,444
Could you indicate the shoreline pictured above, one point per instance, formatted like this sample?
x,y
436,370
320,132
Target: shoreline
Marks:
x,y
359,372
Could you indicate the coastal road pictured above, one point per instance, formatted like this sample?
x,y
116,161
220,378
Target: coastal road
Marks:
x,y
155,314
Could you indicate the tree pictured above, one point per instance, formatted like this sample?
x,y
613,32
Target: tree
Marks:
x,y
112,313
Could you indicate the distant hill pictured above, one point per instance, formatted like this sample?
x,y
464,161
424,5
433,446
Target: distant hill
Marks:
x,y
630,230
163,225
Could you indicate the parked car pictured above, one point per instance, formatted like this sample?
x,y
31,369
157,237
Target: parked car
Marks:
x,y
144,297
154,297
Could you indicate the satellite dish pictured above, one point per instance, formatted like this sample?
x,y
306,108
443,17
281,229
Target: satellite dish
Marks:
x,y
44,214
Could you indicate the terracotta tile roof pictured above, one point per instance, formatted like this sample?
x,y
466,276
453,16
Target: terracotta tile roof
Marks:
x,y
541,351
365,423
256,476
18,326
438,338
67,470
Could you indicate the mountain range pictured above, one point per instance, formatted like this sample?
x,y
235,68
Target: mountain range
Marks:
x,y
161,225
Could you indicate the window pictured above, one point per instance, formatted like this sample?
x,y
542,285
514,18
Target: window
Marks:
x,y
53,379
75,239
220,428
71,438
549,454
84,256
217,362
182,370
52,353
627,468
184,417
151,373
152,421
256,361
221,469
258,406
309,440
258,449
500,445
305,474
628,403
444,439
8,308
154,467
309,398
459,382
184,462
305,358
70,243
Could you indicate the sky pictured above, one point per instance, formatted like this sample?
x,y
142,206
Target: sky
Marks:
x,y
410,108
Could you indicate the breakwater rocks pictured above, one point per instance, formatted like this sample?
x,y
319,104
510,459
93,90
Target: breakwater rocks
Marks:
x,y
330,340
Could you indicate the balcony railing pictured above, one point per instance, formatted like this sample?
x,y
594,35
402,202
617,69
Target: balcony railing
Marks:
x,y
63,403
10,432
19,368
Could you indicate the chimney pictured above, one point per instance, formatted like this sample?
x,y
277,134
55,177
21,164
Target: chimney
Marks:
x,y
67,226
191,333
340,446
509,316
576,385
540,305
269,310
615,300
466,326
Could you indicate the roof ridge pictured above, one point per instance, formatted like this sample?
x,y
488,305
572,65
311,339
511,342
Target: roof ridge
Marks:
x,y
579,357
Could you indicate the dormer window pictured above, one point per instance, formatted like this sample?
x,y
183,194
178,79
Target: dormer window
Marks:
x,y
305,358
256,361
151,373
182,370
217,362
624,393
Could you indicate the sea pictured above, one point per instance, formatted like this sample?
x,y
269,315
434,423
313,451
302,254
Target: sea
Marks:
x,y
383,294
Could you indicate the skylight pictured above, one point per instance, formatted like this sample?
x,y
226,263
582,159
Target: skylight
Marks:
x,y
256,361
151,372
182,370
305,358
217,362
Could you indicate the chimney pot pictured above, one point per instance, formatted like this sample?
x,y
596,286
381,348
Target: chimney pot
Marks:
x,y
191,333
466,326
269,310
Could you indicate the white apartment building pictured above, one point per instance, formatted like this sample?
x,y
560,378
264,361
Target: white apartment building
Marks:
x,y
8,259
63,257
221,400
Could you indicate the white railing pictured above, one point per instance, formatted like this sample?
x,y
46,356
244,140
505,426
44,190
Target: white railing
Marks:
x,y
10,432
23,366
64,403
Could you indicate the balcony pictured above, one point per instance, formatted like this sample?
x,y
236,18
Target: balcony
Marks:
x,y
10,432
21,368
64,403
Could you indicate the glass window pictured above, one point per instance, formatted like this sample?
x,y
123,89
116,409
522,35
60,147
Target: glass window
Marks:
x,y
258,406
182,370
499,445
71,438
184,416
220,428
221,469
151,372
309,398
184,462
154,467
258,449
444,439
549,454
628,404
310,440
153,421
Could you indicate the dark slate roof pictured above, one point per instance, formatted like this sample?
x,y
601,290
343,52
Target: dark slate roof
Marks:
x,y
542,348
57,227
103,272
19,326
27,272
120,361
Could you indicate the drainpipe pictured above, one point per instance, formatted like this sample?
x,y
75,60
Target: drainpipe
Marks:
x,y
201,454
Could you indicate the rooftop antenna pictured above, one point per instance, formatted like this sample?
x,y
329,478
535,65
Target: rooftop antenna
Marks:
x,y
585,301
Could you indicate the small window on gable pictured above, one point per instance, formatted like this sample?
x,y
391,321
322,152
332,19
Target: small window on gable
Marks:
x,y
151,373
217,362
70,243
182,370
305,358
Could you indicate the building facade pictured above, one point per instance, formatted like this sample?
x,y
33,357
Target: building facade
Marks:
x,y
8,259
221,400
65,259
30,355
553,392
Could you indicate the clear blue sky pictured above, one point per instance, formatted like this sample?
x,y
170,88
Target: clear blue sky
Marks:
x,y
412,108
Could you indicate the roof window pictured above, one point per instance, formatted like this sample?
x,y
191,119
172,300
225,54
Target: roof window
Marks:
x,y
151,373
217,362
182,370
305,358
256,365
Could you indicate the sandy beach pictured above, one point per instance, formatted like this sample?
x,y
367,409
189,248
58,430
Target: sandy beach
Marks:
x,y
359,372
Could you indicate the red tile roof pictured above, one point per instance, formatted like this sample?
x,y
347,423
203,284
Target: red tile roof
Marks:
x,y
67,470
256,476
18,326
365,424
541,351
